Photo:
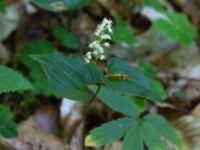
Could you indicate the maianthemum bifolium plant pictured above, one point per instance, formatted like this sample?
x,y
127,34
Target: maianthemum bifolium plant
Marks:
x,y
82,79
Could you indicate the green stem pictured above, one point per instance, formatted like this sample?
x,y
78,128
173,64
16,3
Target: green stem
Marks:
x,y
85,112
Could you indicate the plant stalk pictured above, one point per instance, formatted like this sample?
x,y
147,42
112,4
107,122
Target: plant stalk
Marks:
x,y
85,112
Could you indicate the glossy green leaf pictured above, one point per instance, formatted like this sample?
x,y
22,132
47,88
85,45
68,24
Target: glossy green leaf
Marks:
x,y
109,132
136,84
133,140
118,102
164,129
59,5
11,81
139,103
151,131
149,71
68,39
8,128
151,137
69,76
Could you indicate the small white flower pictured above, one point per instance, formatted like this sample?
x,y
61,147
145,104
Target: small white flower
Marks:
x,y
93,44
99,30
110,30
100,49
89,55
106,37
107,44
102,57
87,60
95,53
107,21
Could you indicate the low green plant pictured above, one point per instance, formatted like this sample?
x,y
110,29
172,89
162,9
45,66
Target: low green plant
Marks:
x,y
37,78
122,88
83,80
8,127
123,34
10,81
68,39
173,25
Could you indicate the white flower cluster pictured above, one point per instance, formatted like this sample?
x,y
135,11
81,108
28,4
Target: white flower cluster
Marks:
x,y
102,35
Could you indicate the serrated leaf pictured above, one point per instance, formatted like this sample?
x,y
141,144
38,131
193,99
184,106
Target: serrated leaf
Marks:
x,y
67,38
136,84
164,129
8,128
11,81
117,102
109,132
69,76
133,140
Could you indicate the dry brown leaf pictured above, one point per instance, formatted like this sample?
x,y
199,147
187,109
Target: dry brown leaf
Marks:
x,y
189,126
32,137
76,140
196,111
34,133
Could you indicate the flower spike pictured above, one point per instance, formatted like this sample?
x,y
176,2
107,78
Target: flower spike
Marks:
x,y
102,37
